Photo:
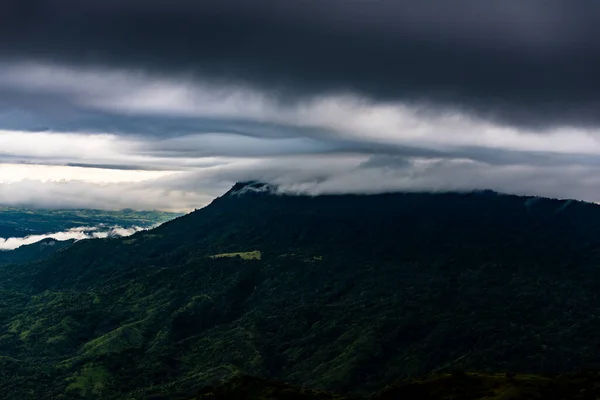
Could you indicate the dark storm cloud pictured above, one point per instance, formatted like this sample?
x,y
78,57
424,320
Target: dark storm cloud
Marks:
x,y
532,62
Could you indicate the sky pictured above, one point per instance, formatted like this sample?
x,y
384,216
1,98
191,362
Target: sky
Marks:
x,y
165,104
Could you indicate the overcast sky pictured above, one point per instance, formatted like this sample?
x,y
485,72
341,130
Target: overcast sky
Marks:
x,y
164,104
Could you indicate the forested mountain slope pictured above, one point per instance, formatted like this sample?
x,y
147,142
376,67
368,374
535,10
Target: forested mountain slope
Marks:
x,y
344,293
33,252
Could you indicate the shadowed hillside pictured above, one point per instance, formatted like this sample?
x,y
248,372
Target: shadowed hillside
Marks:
x,y
456,386
33,252
338,293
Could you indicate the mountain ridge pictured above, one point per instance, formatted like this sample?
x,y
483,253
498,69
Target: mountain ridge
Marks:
x,y
264,187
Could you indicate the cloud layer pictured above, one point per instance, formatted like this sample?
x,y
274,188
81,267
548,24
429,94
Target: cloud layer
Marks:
x,y
80,233
530,62
156,104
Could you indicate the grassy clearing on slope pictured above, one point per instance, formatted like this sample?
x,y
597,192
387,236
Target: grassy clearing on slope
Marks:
x,y
91,380
123,338
250,255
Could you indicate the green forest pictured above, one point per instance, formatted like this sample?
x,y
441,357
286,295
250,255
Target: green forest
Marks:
x,y
401,295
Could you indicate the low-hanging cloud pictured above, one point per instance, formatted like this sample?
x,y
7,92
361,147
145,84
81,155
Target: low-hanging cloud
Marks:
x,y
340,144
78,233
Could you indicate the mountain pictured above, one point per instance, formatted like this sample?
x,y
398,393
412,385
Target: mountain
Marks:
x,y
346,293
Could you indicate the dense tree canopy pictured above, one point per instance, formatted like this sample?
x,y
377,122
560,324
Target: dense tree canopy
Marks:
x,y
340,293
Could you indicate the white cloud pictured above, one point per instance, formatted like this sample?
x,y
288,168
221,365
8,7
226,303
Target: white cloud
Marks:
x,y
59,144
78,233
146,195
11,173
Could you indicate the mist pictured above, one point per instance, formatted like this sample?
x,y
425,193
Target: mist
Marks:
x,y
78,233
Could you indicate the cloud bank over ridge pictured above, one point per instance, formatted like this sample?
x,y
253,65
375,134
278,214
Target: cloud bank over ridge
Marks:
x,y
160,104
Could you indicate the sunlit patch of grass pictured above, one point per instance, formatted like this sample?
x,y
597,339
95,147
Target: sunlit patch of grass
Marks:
x,y
91,380
250,255
125,337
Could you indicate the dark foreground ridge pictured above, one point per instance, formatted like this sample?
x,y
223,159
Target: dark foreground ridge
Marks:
x,y
344,294
456,386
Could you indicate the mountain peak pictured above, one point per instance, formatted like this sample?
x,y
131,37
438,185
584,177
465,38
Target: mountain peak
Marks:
x,y
252,188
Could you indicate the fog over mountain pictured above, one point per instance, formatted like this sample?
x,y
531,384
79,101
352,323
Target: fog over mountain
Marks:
x,y
165,104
